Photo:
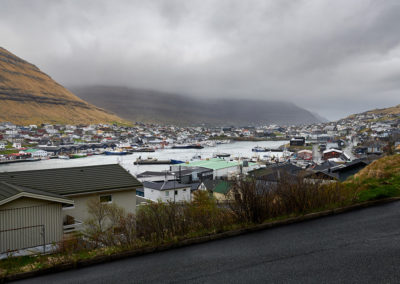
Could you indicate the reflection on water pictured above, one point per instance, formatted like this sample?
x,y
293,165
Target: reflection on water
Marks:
x,y
236,149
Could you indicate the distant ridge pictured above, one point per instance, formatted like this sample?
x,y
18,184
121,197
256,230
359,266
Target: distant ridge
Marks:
x,y
161,107
29,96
381,111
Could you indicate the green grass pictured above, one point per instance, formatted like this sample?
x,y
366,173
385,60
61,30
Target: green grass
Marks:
x,y
7,152
380,188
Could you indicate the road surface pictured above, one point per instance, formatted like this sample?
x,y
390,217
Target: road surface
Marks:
x,y
357,247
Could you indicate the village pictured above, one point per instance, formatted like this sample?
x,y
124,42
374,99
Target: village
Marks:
x,y
328,152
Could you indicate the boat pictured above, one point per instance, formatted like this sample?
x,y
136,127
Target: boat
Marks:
x,y
146,150
117,152
222,155
259,149
175,162
77,156
196,157
184,146
64,157
151,161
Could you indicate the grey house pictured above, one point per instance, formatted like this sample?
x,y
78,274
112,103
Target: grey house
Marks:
x,y
56,199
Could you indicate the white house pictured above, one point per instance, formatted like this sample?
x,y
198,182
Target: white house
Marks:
x,y
37,153
3,145
167,191
17,145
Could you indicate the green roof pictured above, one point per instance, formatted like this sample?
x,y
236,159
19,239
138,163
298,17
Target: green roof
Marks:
x,y
214,164
222,187
31,150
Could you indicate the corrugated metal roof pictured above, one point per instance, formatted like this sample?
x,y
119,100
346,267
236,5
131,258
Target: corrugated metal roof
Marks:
x,y
65,181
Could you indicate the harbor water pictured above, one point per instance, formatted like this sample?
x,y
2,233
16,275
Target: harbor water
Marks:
x,y
236,149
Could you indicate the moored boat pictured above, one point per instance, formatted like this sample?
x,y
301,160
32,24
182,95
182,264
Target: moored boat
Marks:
x,y
77,155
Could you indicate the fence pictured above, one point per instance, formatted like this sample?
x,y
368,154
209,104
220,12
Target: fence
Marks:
x,y
29,227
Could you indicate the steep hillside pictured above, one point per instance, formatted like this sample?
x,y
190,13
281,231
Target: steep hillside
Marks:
x,y
153,106
385,113
27,95
380,179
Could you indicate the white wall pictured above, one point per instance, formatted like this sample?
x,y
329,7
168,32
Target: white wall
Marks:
x,y
124,199
155,195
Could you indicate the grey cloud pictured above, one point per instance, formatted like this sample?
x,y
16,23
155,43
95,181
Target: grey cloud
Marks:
x,y
332,57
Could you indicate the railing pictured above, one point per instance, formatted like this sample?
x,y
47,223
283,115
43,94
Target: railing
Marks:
x,y
70,228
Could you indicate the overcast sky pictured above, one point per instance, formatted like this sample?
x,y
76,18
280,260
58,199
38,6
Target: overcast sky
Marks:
x,y
332,57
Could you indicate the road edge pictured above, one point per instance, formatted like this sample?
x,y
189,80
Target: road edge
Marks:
x,y
192,241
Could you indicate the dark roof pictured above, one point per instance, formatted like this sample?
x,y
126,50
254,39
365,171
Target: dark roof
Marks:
x,y
165,185
8,190
325,165
210,184
194,186
77,180
274,170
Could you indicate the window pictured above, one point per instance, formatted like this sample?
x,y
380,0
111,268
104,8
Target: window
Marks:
x,y
68,206
106,198
167,193
176,192
184,189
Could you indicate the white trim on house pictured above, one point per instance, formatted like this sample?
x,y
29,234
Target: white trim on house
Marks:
x,y
36,196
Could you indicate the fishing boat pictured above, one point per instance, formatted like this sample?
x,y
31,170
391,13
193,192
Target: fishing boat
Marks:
x,y
222,155
144,149
63,157
151,161
77,155
259,149
185,146
119,152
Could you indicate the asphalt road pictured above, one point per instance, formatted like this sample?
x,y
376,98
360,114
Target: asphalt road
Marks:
x,y
357,247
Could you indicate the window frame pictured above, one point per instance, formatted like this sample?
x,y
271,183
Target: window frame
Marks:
x,y
106,195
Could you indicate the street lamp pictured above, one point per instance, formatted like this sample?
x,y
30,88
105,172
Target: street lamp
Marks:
x,y
174,184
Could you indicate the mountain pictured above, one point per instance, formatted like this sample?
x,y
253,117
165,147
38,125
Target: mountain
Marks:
x,y
160,107
29,96
384,113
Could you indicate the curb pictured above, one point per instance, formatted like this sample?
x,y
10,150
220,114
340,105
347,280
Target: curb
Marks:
x,y
192,241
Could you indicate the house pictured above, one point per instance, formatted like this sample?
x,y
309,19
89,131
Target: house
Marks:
x,y
331,153
108,183
340,171
297,141
3,145
305,155
219,189
167,191
220,167
274,173
37,153
29,217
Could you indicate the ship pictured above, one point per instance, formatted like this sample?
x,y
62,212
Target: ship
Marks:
x,y
192,146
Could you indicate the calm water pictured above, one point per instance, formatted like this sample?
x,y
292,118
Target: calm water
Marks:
x,y
236,149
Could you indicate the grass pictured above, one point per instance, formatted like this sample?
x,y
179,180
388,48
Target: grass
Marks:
x,y
7,152
380,179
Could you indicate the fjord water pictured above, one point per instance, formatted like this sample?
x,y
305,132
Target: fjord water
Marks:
x,y
236,149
